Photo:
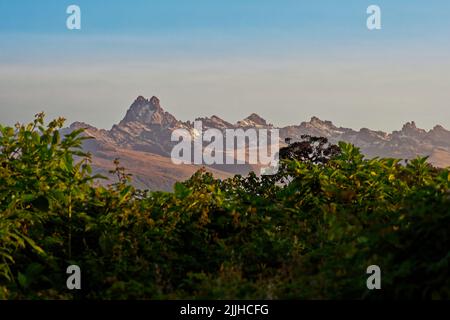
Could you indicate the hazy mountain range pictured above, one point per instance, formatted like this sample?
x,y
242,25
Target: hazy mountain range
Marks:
x,y
142,142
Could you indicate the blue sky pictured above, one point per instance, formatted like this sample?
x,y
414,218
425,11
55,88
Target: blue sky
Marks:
x,y
243,16
229,58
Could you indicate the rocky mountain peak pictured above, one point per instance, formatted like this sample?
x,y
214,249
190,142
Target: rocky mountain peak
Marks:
x,y
155,101
81,125
438,128
147,112
145,133
214,122
253,120
216,118
317,121
410,128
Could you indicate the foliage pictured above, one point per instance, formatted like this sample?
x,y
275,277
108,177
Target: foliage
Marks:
x,y
310,149
309,232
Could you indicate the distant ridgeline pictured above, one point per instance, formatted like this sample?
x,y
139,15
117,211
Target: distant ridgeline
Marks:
x,y
329,224
143,142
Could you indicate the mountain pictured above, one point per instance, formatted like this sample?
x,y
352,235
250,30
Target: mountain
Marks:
x,y
407,143
142,142
253,121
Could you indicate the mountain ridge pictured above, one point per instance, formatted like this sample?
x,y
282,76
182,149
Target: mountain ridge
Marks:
x,y
147,128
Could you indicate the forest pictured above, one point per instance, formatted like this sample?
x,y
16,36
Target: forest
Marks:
x,y
308,232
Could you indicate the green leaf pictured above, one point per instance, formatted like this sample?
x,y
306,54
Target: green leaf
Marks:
x,y
31,242
22,279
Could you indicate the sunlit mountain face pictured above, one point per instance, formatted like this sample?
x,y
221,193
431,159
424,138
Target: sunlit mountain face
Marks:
x,y
142,140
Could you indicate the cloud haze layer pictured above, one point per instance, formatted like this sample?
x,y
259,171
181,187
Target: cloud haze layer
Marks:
x,y
287,62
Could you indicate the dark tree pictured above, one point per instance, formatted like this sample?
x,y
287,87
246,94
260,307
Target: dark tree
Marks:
x,y
316,150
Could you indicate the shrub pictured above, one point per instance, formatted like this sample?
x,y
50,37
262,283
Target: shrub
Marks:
x,y
309,232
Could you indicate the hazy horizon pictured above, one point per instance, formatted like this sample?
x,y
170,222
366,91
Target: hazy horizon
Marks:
x,y
286,61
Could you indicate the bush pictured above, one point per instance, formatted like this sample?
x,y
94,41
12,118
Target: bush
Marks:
x,y
309,232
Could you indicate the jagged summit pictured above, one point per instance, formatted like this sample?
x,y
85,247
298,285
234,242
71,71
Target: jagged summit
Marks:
x,y
411,125
215,122
253,120
216,118
153,100
80,125
410,128
147,112
142,140
438,127
316,121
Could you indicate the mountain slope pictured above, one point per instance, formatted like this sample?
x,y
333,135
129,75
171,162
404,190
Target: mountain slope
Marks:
x,y
142,141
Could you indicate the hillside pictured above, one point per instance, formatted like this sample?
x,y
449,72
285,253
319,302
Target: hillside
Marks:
x,y
141,140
